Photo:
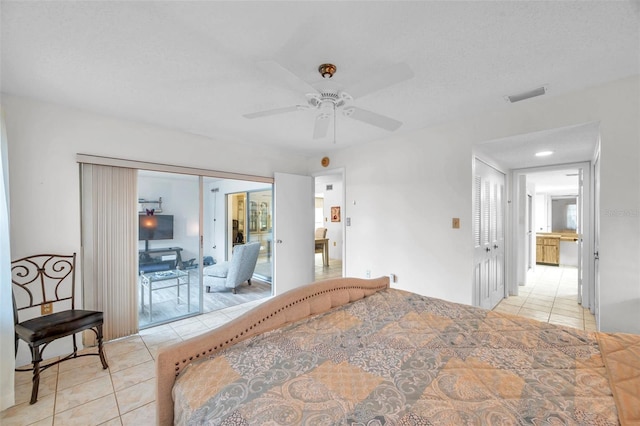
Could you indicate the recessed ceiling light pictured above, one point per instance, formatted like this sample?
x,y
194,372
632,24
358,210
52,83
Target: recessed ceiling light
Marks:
x,y
543,153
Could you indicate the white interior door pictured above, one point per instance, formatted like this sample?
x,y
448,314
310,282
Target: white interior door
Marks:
x,y
293,231
488,232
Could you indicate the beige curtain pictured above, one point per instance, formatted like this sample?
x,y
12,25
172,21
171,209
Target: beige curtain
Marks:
x,y
110,251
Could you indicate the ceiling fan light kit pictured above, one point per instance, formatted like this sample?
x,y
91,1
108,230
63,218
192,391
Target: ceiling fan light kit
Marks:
x,y
327,70
327,100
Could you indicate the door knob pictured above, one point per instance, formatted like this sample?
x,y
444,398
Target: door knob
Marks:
x,y
495,246
278,241
488,249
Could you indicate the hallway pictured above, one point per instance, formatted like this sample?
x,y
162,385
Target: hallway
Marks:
x,y
551,296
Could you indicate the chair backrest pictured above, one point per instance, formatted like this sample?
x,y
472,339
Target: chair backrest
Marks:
x,y
242,263
41,281
321,233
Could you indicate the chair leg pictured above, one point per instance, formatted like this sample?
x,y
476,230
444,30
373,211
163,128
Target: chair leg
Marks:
x,y
35,355
75,346
249,281
101,348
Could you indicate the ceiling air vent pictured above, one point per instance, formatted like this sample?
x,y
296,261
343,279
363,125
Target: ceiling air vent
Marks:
x,y
527,95
329,187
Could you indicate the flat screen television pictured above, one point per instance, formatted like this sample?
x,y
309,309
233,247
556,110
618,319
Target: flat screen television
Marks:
x,y
156,227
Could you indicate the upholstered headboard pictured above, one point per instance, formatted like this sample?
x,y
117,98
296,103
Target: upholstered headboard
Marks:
x,y
283,309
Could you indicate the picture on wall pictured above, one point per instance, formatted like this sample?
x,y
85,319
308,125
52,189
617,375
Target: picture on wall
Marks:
x,y
335,214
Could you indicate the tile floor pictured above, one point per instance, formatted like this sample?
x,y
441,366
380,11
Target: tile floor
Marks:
x,y
551,296
80,392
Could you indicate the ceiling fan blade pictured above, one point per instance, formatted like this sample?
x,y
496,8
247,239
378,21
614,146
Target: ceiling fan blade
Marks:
x,y
278,73
372,118
382,79
322,126
274,111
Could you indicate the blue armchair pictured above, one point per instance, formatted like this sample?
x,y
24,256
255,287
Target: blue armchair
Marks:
x,y
233,273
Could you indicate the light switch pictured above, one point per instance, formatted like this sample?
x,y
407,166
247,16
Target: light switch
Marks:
x,y
455,223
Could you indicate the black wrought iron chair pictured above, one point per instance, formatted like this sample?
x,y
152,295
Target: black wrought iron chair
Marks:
x,y
44,309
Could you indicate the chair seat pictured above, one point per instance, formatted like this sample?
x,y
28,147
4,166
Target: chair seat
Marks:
x,y
50,327
220,270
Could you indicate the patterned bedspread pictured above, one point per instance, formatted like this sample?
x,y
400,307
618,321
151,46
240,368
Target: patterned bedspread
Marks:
x,y
397,358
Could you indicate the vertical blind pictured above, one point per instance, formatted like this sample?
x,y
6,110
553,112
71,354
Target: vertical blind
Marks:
x,y
109,243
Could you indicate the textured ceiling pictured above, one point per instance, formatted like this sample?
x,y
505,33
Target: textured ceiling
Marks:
x,y
194,66
568,145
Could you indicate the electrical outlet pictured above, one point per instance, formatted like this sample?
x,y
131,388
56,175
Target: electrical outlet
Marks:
x,y
334,243
455,223
368,273
393,278
46,308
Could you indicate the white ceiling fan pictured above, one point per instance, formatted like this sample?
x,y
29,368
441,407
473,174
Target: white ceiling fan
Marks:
x,y
327,99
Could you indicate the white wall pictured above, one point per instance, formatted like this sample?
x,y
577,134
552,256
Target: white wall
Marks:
x,y
407,188
401,194
43,140
569,253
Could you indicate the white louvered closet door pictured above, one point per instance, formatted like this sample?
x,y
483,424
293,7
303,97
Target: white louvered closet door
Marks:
x,y
488,235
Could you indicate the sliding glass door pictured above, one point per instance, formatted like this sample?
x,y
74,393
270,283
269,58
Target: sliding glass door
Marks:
x,y
152,235
168,247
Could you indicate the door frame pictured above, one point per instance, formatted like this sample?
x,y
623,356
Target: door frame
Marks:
x,y
587,236
343,200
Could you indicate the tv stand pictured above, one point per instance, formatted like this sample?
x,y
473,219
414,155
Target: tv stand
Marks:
x,y
150,260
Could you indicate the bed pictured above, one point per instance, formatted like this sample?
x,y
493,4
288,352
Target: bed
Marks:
x,y
356,352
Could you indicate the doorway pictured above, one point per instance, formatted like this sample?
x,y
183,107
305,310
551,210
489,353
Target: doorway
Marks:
x,y
329,213
249,219
562,227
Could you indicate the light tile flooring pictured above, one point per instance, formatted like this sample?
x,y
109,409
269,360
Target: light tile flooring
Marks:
x,y
80,392
551,296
